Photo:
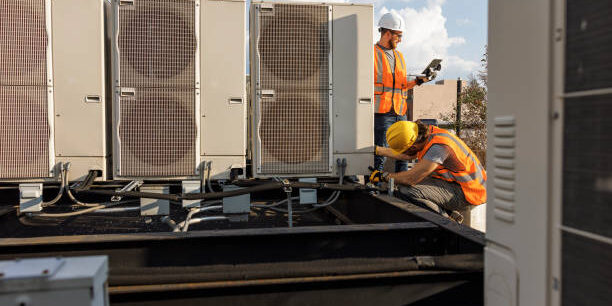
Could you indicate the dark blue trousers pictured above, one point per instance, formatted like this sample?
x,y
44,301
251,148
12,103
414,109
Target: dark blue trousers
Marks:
x,y
381,123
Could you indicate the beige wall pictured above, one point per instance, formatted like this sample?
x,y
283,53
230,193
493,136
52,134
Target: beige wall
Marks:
x,y
431,100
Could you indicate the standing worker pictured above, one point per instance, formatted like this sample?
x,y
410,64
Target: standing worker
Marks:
x,y
390,83
448,177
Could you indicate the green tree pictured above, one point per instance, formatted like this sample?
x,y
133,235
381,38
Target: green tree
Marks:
x,y
473,120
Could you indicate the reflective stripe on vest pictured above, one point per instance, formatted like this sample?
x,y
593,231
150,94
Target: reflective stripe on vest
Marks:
x,y
387,95
472,179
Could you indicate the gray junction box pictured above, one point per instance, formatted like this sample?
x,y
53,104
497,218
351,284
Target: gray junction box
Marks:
x,y
54,281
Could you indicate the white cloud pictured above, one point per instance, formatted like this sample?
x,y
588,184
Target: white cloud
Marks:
x,y
426,38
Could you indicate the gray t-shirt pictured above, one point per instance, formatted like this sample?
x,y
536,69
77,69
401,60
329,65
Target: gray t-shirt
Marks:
x,y
443,155
390,57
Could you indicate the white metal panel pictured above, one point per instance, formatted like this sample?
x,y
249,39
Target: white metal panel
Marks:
x,y
79,82
353,80
525,239
55,281
223,77
558,66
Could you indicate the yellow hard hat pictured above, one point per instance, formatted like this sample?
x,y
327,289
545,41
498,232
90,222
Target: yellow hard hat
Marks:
x,y
402,135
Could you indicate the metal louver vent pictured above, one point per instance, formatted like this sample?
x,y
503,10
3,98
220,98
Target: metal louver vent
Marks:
x,y
294,64
157,43
24,99
504,161
24,132
158,133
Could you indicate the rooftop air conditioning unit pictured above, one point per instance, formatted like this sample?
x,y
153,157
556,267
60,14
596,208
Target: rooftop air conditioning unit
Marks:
x,y
179,79
549,233
312,79
52,105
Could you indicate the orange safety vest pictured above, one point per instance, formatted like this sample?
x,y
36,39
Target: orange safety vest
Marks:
x,y
473,176
389,90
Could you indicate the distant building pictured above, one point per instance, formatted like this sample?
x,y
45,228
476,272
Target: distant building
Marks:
x,y
430,101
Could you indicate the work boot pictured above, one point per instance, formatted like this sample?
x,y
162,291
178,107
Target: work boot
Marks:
x,y
457,216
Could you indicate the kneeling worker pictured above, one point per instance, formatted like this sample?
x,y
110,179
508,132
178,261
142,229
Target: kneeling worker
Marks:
x,y
448,175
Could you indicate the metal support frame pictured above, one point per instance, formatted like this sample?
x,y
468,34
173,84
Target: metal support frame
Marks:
x,y
302,263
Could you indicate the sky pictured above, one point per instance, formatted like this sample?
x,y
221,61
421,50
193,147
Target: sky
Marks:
x,y
453,30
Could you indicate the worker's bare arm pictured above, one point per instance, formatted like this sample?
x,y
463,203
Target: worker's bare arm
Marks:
x,y
420,171
386,152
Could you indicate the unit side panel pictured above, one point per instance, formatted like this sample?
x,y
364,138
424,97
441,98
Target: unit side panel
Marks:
x,y
80,166
518,124
78,33
353,66
223,78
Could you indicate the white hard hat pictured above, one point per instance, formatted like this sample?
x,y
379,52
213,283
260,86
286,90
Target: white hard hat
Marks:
x,y
392,21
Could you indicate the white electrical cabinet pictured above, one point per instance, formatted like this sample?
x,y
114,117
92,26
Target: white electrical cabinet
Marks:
x,y
52,89
50,281
179,88
549,233
312,88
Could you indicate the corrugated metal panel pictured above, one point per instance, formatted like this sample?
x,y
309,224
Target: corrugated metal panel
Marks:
x,y
587,271
24,132
294,60
23,43
589,45
157,43
157,131
587,164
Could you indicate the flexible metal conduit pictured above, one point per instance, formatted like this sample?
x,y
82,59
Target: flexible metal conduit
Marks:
x,y
184,226
61,188
203,219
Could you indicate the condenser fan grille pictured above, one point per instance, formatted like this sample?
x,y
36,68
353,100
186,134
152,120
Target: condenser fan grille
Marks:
x,y
24,132
295,132
157,43
23,43
24,113
157,126
294,47
157,131
294,124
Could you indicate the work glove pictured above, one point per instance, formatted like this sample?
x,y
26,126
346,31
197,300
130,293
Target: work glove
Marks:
x,y
420,80
377,176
